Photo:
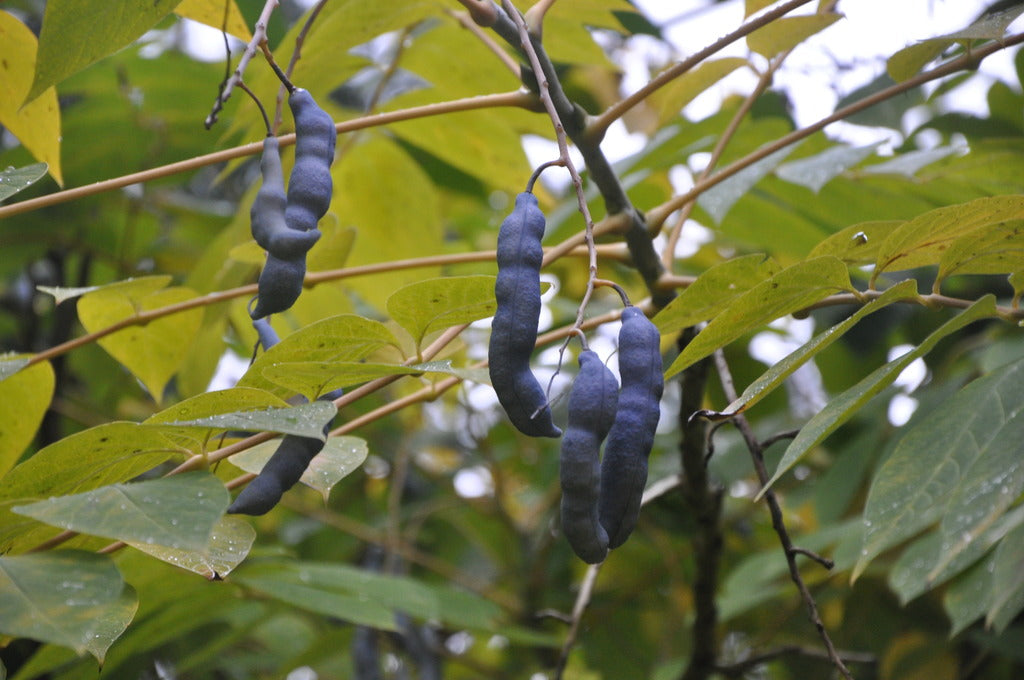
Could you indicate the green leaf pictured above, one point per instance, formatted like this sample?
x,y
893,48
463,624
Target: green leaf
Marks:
x,y
13,180
77,33
843,407
970,595
912,575
436,304
340,457
1007,581
777,374
907,164
787,32
177,512
106,454
713,290
720,198
230,541
989,26
858,243
305,420
994,479
66,597
313,378
816,171
346,337
670,100
152,352
923,240
387,593
36,124
31,389
791,290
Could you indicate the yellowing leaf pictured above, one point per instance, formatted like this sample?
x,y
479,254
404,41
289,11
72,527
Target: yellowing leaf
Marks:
x,y
37,124
77,33
31,389
788,32
858,243
154,351
211,13
339,457
922,241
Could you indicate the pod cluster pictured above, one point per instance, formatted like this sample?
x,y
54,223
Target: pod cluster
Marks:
x,y
285,467
285,225
600,497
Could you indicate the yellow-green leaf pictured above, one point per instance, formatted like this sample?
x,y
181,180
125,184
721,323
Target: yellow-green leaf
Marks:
x,y
231,400
436,304
858,243
789,291
212,13
346,337
31,389
775,375
154,351
671,99
77,33
788,32
36,124
922,241
713,290
994,249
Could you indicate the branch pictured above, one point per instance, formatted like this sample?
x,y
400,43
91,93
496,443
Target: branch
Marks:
x,y
704,502
741,668
259,36
512,99
778,522
574,119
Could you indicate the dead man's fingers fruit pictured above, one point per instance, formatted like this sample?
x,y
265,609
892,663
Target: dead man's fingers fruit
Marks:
x,y
310,184
514,329
593,401
624,466
279,286
266,333
267,212
282,471
279,474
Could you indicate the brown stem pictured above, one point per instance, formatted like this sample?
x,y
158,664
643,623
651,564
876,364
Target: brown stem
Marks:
x,y
778,522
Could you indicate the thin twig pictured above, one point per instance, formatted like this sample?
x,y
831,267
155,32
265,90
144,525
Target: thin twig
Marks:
x,y
544,90
599,124
473,27
580,606
778,522
300,40
259,36
517,99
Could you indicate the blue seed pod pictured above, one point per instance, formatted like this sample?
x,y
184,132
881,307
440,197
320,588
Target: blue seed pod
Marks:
x,y
514,329
593,401
624,467
310,185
